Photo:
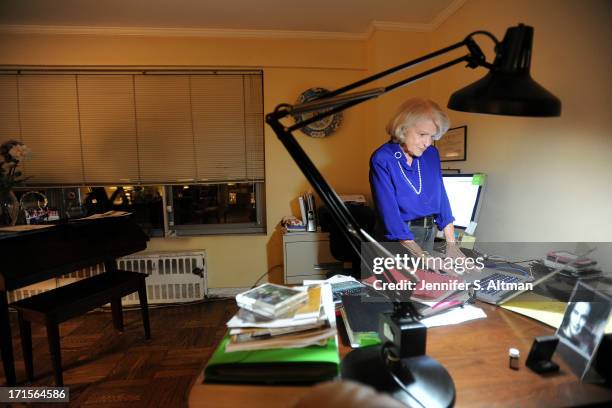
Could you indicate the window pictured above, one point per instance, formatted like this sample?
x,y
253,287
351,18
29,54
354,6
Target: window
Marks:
x,y
191,135
144,202
216,208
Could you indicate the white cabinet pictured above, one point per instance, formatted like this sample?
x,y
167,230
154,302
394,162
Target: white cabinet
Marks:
x,y
305,256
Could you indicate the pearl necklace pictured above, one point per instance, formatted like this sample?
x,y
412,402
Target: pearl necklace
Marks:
x,y
418,192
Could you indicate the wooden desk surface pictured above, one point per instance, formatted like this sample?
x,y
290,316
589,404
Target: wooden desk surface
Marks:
x,y
475,354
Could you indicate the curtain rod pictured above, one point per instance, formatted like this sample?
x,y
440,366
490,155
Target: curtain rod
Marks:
x,y
123,71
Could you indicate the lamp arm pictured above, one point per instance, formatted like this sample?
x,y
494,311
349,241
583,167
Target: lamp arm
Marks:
x,y
343,102
339,97
486,33
393,70
341,215
337,101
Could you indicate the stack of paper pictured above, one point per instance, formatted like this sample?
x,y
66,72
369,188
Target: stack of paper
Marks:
x,y
312,324
572,263
308,211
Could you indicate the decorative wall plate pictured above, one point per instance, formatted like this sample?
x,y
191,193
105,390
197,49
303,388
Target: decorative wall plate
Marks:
x,y
320,128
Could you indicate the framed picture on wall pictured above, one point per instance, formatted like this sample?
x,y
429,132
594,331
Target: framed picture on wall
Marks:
x,y
453,145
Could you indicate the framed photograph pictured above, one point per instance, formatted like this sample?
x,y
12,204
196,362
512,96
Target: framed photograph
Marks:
x,y
582,330
453,145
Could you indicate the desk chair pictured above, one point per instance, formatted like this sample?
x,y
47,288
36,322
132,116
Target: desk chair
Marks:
x,y
338,244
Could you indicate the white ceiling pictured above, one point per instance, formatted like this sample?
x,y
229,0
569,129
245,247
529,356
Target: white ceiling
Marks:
x,y
340,16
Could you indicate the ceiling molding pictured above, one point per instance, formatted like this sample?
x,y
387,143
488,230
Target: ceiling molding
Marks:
x,y
178,32
235,33
395,26
412,27
446,13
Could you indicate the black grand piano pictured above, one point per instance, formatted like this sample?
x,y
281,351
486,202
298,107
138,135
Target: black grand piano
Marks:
x,y
28,257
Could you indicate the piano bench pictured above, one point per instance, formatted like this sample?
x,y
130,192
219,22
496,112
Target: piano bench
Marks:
x,y
58,305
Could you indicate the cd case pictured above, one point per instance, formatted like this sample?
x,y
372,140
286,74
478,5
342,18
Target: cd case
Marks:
x,y
271,300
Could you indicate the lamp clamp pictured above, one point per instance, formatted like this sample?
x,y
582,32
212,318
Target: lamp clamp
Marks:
x,y
403,335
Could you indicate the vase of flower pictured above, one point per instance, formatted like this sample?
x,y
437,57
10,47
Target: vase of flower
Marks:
x,y
9,207
11,153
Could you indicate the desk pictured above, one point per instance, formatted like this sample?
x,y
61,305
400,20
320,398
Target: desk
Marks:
x,y
475,354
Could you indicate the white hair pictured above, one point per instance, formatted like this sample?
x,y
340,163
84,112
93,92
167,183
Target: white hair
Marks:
x,y
412,111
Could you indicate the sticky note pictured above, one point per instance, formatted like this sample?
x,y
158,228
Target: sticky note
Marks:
x,y
467,241
479,179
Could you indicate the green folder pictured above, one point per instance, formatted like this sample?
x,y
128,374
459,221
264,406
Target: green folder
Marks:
x,y
276,366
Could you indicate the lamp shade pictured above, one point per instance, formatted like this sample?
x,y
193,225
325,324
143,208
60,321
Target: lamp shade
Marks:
x,y
508,88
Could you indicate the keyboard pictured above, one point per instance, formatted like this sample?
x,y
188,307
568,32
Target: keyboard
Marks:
x,y
346,288
495,295
497,277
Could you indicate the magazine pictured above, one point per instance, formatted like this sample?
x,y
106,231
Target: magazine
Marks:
x,y
271,300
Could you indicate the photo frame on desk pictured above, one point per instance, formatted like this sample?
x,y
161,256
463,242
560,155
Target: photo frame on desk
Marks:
x,y
453,145
582,330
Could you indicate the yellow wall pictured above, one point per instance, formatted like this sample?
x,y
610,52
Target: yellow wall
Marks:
x,y
290,67
548,178
38,49
386,49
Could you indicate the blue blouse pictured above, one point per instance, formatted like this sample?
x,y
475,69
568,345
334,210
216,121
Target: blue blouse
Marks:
x,y
397,202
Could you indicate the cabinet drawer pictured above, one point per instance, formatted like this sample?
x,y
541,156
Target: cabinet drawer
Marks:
x,y
298,280
301,259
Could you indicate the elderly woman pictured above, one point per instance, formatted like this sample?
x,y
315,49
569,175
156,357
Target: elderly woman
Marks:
x,y
406,180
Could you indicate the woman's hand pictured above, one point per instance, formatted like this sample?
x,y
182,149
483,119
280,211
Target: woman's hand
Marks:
x,y
453,251
427,261
459,259
415,250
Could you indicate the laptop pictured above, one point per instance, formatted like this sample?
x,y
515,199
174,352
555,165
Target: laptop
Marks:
x,y
498,282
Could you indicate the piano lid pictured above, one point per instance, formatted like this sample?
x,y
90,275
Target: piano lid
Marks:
x,y
35,255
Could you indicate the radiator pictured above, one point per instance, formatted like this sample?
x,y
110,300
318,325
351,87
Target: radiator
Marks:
x,y
173,277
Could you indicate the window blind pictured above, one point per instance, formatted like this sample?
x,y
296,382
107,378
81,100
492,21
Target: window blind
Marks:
x,y
49,118
219,127
254,131
9,109
107,128
165,136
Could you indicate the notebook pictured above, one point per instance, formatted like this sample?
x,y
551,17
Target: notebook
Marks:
x,y
276,366
361,319
421,293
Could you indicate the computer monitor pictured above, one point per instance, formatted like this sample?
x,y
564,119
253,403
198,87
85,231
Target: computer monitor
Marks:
x,y
464,196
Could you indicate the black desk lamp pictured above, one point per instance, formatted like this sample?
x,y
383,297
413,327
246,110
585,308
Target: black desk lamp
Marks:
x,y
400,367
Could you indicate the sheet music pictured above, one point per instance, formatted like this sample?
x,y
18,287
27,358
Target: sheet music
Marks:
x,y
21,228
108,214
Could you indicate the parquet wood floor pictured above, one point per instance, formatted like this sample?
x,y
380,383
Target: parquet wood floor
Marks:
x,y
105,368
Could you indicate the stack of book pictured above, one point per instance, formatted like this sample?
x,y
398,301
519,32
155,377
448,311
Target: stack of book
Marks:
x,y
297,347
274,316
572,263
